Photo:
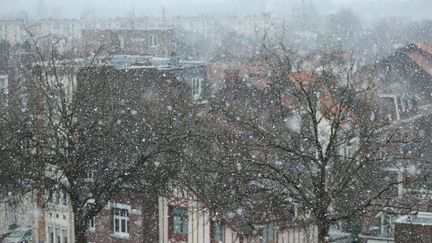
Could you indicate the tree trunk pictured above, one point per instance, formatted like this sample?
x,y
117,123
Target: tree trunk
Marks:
x,y
150,217
323,224
80,232
42,221
323,221
323,232
80,224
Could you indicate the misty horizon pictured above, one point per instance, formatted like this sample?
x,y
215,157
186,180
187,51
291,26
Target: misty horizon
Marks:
x,y
369,9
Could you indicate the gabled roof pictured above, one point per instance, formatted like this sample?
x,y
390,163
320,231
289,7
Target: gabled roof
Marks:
x,y
420,54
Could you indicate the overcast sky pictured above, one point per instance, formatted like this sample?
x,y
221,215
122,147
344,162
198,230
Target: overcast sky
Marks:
x,y
122,8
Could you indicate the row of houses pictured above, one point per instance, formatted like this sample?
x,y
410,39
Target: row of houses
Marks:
x,y
402,82
179,219
14,30
185,219
71,33
399,89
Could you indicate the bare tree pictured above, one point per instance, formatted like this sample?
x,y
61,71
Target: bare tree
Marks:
x,y
307,140
96,132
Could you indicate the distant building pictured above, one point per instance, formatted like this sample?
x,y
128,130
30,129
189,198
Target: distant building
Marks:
x,y
179,219
193,73
157,42
406,72
402,95
205,30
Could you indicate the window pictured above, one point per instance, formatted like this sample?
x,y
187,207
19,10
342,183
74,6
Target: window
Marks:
x,y
3,83
57,234
58,197
217,232
349,149
65,235
180,220
92,224
178,223
12,213
90,175
153,41
50,235
121,221
268,233
196,84
64,199
197,87
122,42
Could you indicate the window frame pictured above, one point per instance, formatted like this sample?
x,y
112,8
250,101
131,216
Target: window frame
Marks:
x,y
153,40
64,235
220,234
92,224
121,209
58,197
196,84
90,175
57,234
51,237
268,233
178,236
4,83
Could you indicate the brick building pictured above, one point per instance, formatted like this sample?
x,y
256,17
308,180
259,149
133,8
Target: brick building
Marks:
x,y
186,220
120,221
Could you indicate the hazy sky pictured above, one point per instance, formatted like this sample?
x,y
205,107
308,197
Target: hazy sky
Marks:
x,y
121,8
75,8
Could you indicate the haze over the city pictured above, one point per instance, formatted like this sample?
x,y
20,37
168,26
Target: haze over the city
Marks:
x,y
113,8
210,121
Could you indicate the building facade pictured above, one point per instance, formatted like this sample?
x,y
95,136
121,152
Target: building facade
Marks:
x,y
157,42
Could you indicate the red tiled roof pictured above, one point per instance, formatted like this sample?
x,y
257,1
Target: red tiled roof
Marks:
x,y
425,47
421,61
